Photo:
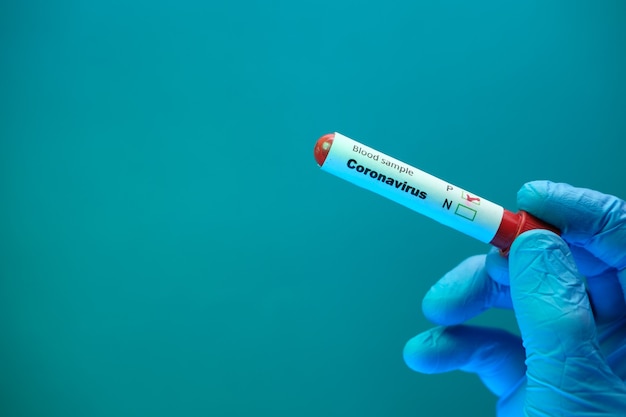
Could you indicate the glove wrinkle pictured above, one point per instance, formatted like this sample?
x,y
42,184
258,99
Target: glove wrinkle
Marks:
x,y
495,355
549,296
463,293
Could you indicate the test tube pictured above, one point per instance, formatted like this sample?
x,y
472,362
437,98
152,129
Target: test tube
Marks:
x,y
422,192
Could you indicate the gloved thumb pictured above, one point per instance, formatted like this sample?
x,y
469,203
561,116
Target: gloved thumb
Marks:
x,y
565,368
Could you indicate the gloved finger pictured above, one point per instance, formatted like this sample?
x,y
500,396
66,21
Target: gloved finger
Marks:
x,y
497,266
586,218
558,329
606,297
587,263
495,355
463,293
603,288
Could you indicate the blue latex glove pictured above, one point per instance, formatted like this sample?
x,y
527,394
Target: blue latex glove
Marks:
x,y
573,358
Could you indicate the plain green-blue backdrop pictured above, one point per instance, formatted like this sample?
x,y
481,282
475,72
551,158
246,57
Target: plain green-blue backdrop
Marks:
x,y
168,246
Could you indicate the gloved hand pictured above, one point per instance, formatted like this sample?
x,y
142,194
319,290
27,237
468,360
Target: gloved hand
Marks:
x,y
573,358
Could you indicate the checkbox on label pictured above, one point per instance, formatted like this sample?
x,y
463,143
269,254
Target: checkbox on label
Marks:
x,y
465,212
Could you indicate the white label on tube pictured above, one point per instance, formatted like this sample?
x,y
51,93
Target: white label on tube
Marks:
x,y
413,188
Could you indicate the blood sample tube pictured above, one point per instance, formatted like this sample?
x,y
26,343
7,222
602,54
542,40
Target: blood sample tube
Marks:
x,y
422,192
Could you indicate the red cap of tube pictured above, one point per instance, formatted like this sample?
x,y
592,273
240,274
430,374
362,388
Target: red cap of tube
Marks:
x,y
513,225
322,147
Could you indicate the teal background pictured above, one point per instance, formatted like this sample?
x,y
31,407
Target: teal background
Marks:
x,y
168,245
